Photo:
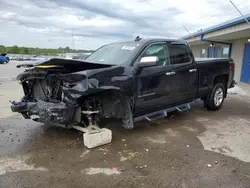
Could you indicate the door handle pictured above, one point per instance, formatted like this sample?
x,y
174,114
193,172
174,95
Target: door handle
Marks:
x,y
192,70
170,73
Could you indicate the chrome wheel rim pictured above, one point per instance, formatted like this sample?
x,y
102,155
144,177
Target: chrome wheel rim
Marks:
x,y
218,96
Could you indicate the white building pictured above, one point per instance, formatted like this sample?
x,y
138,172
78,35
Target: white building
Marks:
x,y
229,39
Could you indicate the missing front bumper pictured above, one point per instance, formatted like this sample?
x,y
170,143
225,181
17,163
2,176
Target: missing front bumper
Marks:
x,y
43,111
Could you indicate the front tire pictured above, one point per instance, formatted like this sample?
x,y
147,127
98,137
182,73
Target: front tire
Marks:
x,y
215,99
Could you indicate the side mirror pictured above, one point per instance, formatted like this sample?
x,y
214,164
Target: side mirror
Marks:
x,y
148,61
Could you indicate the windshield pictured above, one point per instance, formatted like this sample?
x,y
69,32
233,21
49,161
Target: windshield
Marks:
x,y
115,54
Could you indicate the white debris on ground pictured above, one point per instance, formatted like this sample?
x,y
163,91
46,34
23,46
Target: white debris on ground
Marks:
x,y
84,153
127,155
103,150
144,166
16,164
123,159
106,171
236,90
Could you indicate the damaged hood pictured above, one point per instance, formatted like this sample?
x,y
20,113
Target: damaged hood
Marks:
x,y
66,65
80,78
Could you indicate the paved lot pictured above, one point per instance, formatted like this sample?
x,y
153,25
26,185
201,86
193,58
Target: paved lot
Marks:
x,y
198,148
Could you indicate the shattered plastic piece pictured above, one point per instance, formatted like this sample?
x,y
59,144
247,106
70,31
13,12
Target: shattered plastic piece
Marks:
x,y
103,149
144,166
188,146
84,153
123,159
123,140
209,165
146,150
106,171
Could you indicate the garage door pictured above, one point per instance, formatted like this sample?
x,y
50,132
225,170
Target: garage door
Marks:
x,y
245,71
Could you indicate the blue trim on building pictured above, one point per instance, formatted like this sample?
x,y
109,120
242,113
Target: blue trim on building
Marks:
x,y
213,41
218,42
220,26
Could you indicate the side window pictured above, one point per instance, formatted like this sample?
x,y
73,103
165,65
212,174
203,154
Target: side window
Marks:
x,y
179,54
160,51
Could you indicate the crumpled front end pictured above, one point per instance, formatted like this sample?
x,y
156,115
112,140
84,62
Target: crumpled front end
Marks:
x,y
44,99
46,112
56,95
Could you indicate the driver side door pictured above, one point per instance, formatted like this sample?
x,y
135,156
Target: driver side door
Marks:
x,y
152,87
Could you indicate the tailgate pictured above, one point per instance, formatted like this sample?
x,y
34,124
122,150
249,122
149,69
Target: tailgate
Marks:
x,y
231,81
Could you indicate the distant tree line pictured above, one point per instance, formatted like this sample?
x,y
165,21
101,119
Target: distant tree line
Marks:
x,y
38,51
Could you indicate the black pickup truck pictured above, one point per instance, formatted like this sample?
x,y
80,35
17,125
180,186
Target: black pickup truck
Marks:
x,y
135,80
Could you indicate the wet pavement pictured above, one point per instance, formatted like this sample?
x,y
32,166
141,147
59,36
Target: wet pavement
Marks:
x,y
198,148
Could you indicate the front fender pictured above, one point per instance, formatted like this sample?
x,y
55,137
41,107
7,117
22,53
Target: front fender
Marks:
x,y
90,82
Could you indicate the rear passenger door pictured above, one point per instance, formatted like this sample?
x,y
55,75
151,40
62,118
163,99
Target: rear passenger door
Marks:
x,y
185,73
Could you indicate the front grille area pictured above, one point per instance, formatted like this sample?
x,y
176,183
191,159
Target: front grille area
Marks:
x,y
40,90
49,88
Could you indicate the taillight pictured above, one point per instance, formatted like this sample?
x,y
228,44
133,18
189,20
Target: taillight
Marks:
x,y
231,62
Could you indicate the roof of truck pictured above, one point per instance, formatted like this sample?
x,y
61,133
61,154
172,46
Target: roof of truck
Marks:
x,y
147,40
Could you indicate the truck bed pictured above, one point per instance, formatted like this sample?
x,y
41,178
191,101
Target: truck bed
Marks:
x,y
209,68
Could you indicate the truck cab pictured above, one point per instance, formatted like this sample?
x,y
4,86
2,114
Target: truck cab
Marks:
x,y
172,80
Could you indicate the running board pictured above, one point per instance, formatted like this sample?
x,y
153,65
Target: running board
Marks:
x,y
162,113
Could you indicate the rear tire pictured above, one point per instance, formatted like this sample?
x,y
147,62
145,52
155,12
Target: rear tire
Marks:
x,y
215,99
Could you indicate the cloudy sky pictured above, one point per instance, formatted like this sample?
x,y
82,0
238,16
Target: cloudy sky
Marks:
x,y
49,23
